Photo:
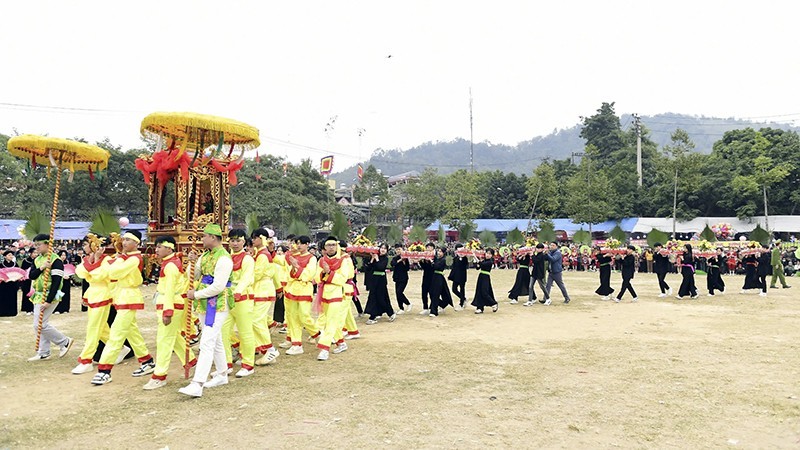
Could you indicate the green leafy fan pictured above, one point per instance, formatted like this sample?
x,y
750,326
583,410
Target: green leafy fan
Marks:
x,y
37,224
104,223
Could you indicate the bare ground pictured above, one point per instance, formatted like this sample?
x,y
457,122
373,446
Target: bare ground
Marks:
x,y
660,373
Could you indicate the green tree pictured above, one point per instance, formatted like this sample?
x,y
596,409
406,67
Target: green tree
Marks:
x,y
603,131
424,199
543,191
374,190
461,200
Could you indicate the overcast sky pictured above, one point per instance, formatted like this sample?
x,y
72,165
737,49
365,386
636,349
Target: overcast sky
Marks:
x,y
288,67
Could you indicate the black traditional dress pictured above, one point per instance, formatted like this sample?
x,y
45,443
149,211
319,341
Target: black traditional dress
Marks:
x,y
523,280
604,262
27,306
714,280
440,295
484,294
378,301
8,293
687,272
751,281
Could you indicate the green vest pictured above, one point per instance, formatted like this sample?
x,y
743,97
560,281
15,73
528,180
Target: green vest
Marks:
x,y
208,263
39,294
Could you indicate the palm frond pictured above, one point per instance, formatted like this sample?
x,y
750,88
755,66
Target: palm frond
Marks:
x,y
251,222
104,223
37,224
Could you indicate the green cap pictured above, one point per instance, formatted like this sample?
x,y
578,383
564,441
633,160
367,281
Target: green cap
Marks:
x,y
213,229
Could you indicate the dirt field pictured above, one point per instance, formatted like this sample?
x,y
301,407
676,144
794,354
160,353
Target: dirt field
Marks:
x,y
706,373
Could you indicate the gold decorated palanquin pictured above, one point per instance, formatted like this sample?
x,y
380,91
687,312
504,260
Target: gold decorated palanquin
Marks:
x,y
191,172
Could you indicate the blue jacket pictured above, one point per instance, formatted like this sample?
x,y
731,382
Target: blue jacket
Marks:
x,y
556,261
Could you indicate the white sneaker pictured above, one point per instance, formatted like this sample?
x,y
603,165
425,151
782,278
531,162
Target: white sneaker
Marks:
x,y
101,378
743,292
431,315
268,358
616,300
371,322
82,368
635,299
547,302
495,307
217,380
353,336
65,348
38,357
393,317
762,294
154,384
244,372
527,304
424,312
478,311
709,295
662,295
513,302
122,354
693,297
229,371
669,292
340,348
323,355
295,350
285,344
192,390
458,308
145,369
409,307
400,311
312,340
679,297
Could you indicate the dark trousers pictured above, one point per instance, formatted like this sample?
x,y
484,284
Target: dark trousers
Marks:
x,y
763,280
280,310
626,285
661,283
458,290
426,289
399,293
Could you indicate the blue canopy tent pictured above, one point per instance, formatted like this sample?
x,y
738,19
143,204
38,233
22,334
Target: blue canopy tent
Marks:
x,y
65,231
567,225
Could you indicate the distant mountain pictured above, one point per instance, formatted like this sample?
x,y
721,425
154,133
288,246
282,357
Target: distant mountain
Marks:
x,y
525,156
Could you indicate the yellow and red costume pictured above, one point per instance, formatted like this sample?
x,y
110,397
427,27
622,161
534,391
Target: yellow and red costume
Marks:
x,y
264,274
125,277
330,291
298,296
241,315
98,299
171,302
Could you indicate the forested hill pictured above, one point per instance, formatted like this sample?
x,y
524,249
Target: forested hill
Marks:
x,y
523,157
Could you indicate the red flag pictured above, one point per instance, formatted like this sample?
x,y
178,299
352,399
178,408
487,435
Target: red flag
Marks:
x,y
360,171
326,165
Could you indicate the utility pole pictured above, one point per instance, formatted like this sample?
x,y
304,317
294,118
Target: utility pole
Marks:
x,y
766,211
638,124
471,149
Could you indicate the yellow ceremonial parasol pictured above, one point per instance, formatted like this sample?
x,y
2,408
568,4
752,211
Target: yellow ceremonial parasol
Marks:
x,y
199,130
61,154
192,131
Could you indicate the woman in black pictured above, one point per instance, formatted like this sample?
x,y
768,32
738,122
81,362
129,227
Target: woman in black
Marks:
x,y
8,289
378,302
484,294
523,280
63,305
714,280
427,277
458,275
400,268
604,262
27,306
440,295
751,280
764,269
628,269
686,264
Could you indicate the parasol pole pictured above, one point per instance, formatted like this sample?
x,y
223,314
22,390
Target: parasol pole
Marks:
x,y
190,304
49,251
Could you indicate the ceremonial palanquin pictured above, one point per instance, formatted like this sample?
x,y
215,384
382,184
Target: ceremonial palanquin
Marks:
x,y
191,172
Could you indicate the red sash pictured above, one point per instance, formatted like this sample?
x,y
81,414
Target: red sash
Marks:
x,y
266,252
172,260
136,255
237,260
